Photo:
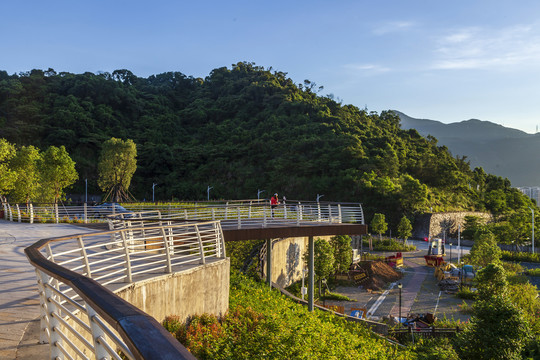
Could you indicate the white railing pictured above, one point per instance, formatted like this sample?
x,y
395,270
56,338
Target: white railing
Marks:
x,y
82,318
254,215
242,211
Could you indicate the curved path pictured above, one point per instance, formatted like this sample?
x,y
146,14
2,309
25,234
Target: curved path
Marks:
x,y
19,301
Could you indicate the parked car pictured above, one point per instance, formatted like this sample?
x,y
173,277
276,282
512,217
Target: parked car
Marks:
x,y
105,209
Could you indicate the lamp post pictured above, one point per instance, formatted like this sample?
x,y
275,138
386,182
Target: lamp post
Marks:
x,y
319,196
153,186
532,220
208,192
259,192
400,286
461,273
86,190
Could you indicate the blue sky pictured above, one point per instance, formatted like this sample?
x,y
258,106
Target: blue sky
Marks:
x,y
440,60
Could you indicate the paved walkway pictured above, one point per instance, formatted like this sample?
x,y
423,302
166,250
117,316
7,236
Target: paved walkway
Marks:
x,y
19,301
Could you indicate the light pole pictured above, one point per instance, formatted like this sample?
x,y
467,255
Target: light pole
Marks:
x,y
259,192
153,186
459,244
208,192
532,211
399,287
319,196
86,190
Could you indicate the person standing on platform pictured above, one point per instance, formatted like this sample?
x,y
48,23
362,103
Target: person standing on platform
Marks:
x,y
274,201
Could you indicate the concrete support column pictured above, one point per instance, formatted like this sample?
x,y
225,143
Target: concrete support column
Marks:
x,y
311,273
269,262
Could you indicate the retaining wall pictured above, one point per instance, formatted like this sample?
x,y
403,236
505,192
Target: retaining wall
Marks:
x,y
202,289
437,224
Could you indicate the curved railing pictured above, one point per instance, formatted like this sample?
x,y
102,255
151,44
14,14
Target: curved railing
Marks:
x,y
254,215
83,318
226,210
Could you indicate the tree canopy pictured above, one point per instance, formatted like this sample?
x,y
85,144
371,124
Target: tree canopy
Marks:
x,y
117,164
241,129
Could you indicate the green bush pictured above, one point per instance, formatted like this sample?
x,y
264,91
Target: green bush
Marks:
x,y
466,294
520,256
335,296
391,245
533,272
263,324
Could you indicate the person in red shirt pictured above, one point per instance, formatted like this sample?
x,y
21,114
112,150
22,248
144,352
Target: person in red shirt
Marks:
x,y
274,201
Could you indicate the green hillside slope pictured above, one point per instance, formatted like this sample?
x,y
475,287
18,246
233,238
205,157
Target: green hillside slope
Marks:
x,y
241,129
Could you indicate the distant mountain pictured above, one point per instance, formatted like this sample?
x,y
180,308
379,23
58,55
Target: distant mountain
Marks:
x,y
502,151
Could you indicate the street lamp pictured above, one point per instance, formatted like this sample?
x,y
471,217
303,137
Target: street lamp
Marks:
x,y
319,196
153,186
259,192
86,190
400,286
208,192
532,211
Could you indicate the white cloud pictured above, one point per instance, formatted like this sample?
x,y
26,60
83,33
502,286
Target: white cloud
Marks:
x,y
483,48
392,27
366,69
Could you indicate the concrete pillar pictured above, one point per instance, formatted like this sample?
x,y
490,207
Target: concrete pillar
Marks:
x,y
269,262
311,273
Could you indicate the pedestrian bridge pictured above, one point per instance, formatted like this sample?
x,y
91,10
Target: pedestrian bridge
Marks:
x,y
84,280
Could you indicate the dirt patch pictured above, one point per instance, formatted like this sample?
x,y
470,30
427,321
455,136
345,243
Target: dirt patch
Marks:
x,y
379,273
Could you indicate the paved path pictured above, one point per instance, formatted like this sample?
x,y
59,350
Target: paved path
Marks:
x,y
19,301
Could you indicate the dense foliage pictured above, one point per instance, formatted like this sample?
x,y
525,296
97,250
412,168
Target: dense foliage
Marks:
x,y
241,129
263,324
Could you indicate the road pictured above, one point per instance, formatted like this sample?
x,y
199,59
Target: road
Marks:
x,y
419,294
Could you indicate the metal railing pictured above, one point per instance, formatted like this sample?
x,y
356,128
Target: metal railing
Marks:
x,y
241,211
83,318
252,215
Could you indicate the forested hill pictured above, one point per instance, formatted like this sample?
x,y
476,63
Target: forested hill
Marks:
x,y
238,130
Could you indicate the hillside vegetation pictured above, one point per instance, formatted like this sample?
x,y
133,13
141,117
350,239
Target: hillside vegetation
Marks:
x,y
241,129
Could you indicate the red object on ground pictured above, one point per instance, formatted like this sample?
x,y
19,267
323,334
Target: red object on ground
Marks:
x,y
433,260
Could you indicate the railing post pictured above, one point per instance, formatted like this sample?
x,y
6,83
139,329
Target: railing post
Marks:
x,y
201,247
285,210
10,213
239,219
57,218
318,212
167,250
340,220
85,213
43,336
100,351
330,213
126,254
220,239
52,322
264,217
249,212
226,209
18,213
186,214
31,213
213,214
85,257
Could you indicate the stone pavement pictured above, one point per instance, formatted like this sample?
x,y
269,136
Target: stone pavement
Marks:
x,y
19,301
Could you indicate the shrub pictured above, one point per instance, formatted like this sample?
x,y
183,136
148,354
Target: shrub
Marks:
x,y
391,245
466,294
520,256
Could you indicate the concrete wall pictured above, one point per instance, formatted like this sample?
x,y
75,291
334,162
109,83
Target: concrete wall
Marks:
x,y
435,225
287,262
203,289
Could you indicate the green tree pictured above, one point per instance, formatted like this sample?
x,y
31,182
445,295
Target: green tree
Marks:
x,y
323,258
485,250
57,173
491,281
472,224
404,229
26,166
7,175
117,164
342,252
498,328
378,224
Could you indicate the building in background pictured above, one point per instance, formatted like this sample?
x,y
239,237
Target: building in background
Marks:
x,y
531,191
